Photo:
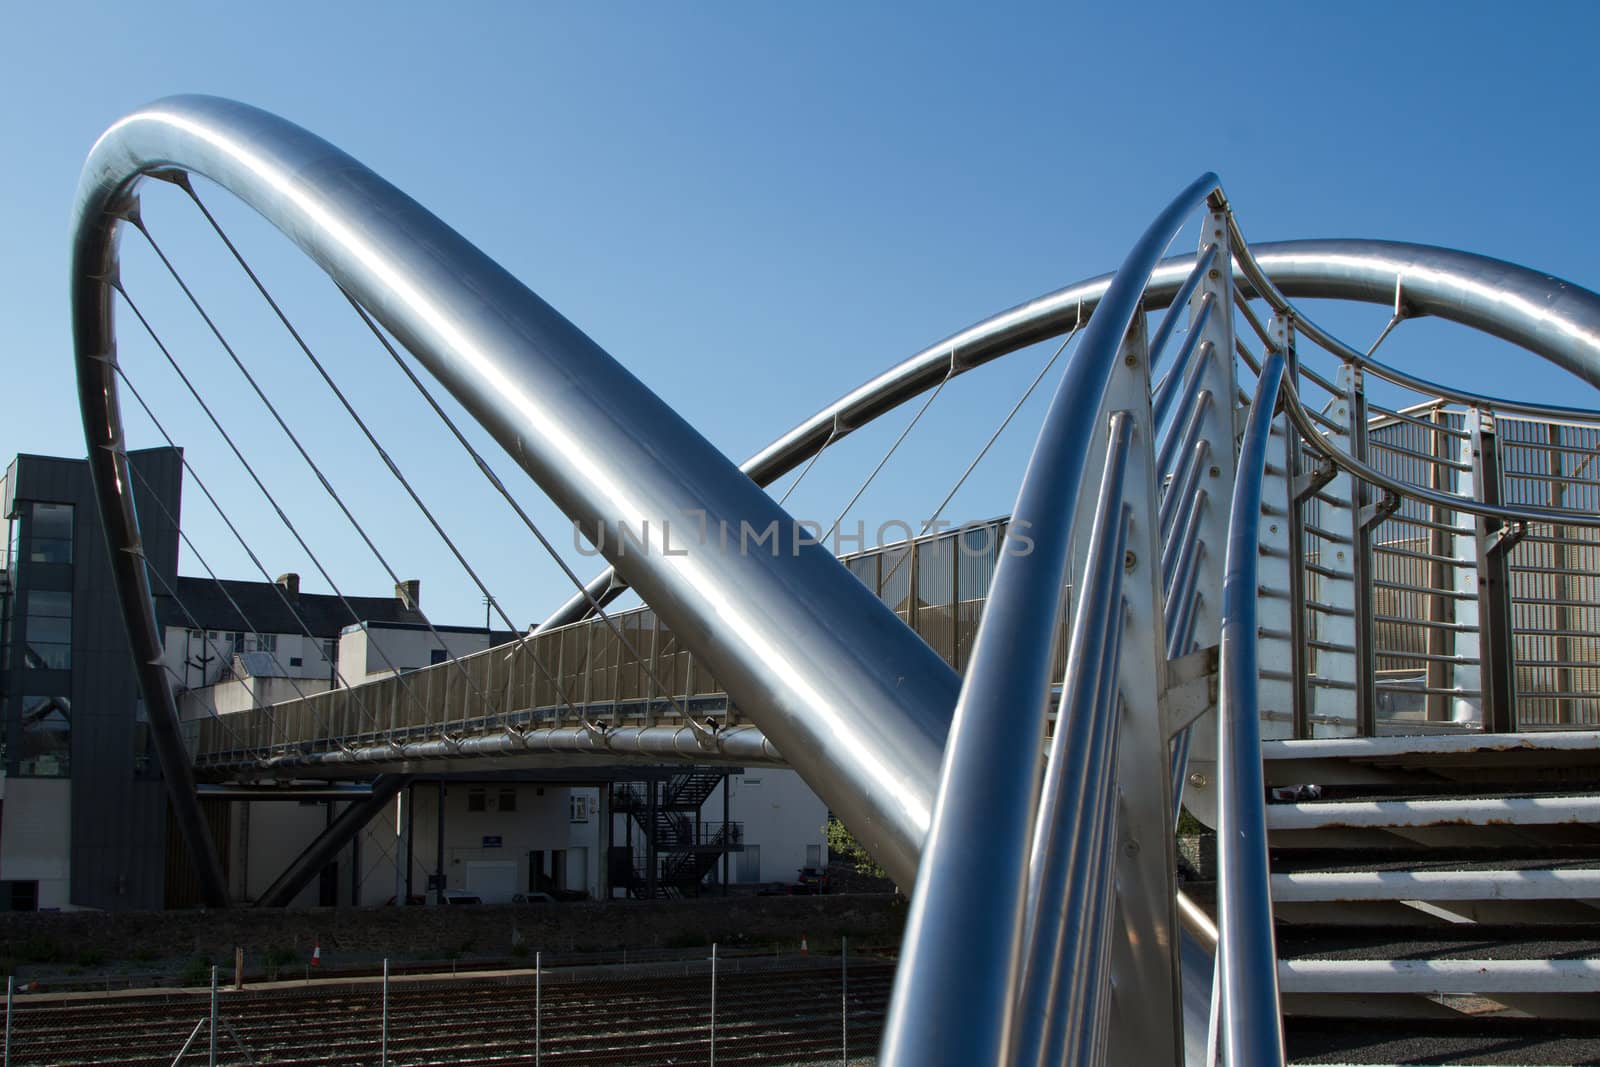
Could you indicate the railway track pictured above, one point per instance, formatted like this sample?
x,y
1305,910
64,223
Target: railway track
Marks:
x,y
766,1014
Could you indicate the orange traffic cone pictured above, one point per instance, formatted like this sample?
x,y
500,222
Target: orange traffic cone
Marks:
x,y
804,951
316,953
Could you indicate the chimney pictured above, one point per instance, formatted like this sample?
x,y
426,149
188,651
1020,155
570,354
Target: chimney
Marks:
x,y
409,593
291,585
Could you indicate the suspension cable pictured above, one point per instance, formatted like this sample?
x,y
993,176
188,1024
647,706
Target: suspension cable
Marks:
x,y
365,430
249,469
249,624
533,528
932,396
216,505
993,437
306,456
833,435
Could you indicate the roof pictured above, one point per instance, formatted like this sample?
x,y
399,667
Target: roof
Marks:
x,y
264,609
260,665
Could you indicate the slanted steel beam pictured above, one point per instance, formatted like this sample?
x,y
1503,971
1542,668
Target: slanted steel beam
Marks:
x,y
339,833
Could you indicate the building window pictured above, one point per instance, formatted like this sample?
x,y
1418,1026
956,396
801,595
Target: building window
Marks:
x,y
578,808
50,533
477,799
294,661
436,656
266,642
330,650
48,630
141,737
46,737
508,798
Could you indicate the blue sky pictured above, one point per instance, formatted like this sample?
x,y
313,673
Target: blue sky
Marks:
x,y
756,207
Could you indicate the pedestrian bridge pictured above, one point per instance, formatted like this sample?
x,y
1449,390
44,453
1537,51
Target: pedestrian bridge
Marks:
x,y
1312,595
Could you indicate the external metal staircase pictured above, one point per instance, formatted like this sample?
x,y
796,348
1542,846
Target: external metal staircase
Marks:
x,y
679,848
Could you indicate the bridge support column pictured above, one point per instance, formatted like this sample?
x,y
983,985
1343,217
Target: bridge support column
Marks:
x,y
402,853
339,833
1495,540
438,848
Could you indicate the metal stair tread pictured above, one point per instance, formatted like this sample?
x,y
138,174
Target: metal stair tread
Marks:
x,y
1378,814
1511,858
1477,941
1482,1041
1396,746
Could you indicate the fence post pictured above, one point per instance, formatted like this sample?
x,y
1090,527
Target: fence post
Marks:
x,y
384,1049
538,1006
10,993
713,1004
844,1001
212,1059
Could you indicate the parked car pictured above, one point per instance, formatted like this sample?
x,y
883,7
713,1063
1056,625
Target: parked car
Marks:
x,y
532,898
812,880
414,899
461,896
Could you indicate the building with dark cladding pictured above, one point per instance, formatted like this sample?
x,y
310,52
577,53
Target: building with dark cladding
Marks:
x,y
84,816
84,819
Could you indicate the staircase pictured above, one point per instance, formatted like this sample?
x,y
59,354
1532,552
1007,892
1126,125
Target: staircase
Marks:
x,y
1446,885
685,848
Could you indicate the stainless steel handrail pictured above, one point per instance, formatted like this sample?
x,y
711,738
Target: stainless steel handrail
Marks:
x,y
956,996
1057,996
1248,954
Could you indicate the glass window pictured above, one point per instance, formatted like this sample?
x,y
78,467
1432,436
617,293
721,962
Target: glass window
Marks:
x,y
266,642
46,737
477,799
48,630
578,808
508,798
50,533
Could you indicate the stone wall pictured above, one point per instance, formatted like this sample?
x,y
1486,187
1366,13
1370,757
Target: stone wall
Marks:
x,y
362,935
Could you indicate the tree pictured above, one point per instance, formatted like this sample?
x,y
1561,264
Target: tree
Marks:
x,y
847,848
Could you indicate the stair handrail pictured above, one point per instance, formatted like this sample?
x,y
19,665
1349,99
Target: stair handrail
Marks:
x,y
1251,1023
1246,263
1350,465
955,1000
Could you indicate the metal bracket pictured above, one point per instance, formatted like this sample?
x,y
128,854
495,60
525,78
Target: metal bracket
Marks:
x,y
1508,537
1191,689
1380,509
1312,481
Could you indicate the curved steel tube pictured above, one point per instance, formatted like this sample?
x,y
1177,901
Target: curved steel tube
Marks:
x,y
1548,316
856,701
956,994
1350,465
1071,813
1248,954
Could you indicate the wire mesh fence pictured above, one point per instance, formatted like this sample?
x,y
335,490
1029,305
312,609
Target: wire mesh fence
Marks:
x,y
711,1006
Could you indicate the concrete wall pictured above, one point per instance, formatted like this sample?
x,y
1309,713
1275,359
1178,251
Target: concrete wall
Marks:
x,y
242,694
351,936
362,652
33,847
194,660
781,816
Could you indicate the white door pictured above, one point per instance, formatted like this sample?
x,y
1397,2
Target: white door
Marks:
x,y
492,881
750,864
577,869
